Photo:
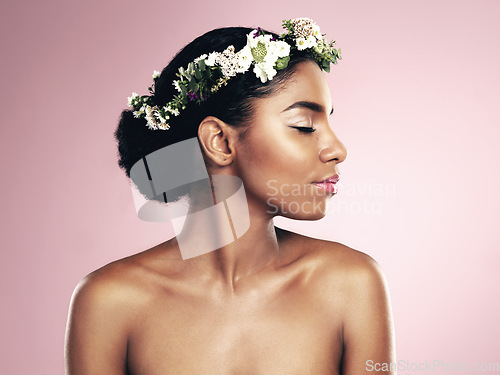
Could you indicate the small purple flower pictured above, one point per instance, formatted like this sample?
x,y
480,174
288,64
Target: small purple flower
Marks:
x,y
192,96
257,32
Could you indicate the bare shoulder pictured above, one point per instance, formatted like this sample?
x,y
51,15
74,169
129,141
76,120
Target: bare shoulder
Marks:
x,y
100,319
125,282
330,253
353,286
336,264
104,309
110,285
108,293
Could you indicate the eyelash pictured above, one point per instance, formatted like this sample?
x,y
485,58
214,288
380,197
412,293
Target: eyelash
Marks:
x,y
304,129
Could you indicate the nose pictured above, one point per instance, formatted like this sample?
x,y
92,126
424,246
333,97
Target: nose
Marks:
x,y
331,149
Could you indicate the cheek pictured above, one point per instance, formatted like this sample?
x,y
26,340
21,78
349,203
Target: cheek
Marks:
x,y
257,165
276,156
278,171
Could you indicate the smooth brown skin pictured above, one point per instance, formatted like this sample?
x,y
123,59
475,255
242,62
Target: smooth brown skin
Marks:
x,y
272,302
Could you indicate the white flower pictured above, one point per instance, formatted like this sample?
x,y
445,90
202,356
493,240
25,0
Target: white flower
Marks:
x,y
312,41
163,126
150,117
304,27
266,38
176,85
282,48
260,73
265,72
149,111
202,57
140,112
156,74
251,39
300,43
271,51
270,74
173,111
245,59
270,61
272,54
264,66
322,47
151,123
131,99
270,71
316,31
228,61
212,58
304,43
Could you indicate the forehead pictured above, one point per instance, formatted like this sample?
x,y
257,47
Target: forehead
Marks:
x,y
308,83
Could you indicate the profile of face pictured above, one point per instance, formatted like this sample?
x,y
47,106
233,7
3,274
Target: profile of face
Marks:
x,y
289,148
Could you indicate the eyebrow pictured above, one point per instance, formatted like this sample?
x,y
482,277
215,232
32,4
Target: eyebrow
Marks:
x,y
306,104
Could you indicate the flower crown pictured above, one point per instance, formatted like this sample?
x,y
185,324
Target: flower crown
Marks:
x,y
208,73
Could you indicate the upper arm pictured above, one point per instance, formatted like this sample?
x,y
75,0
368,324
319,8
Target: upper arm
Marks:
x,y
97,329
368,327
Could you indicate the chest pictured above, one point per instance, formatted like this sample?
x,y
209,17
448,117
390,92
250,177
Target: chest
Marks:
x,y
293,334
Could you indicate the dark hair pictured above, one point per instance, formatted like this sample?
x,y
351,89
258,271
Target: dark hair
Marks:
x,y
231,104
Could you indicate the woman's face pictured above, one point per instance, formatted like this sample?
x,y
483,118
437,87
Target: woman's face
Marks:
x,y
290,148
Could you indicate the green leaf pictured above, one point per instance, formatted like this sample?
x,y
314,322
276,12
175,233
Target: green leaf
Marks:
x,y
193,86
197,73
282,62
259,52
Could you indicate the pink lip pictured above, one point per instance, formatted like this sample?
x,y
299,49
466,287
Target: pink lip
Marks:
x,y
329,184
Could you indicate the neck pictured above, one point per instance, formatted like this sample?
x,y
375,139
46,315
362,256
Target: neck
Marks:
x,y
257,249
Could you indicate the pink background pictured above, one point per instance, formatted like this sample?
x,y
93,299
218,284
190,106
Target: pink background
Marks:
x,y
416,103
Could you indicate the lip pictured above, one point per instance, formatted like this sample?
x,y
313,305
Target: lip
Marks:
x,y
329,184
333,179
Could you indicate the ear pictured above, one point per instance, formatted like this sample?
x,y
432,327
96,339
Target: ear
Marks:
x,y
217,140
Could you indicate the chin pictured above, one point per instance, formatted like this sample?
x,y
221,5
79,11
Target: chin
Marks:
x,y
305,211
309,216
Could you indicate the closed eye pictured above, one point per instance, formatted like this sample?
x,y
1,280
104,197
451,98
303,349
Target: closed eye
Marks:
x,y
304,129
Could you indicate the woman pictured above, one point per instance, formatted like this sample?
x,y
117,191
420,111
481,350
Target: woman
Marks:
x,y
268,301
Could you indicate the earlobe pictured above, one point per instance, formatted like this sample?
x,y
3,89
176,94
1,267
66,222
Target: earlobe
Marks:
x,y
215,137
